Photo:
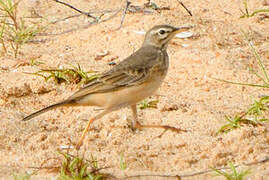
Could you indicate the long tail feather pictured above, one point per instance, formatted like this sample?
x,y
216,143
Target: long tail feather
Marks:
x,y
37,113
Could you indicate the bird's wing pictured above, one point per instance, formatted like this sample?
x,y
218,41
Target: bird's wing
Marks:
x,y
134,70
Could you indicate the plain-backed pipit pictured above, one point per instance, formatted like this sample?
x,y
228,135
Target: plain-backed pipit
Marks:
x,y
132,80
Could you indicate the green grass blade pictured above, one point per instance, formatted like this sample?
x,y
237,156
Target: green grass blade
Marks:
x,y
259,11
257,56
232,167
259,76
243,84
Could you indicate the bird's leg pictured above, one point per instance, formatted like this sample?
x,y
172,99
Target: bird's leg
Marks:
x,y
136,125
88,126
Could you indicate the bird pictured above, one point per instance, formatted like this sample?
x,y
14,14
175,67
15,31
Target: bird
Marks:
x,y
127,83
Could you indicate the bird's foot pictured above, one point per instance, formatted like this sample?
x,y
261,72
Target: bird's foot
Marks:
x,y
138,126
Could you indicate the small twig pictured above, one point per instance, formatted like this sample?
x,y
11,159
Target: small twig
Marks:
x,y
124,13
181,3
90,12
83,27
72,7
63,19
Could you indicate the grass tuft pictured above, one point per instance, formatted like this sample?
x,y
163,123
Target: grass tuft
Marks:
x,y
14,29
77,168
256,114
247,14
233,174
259,109
148,104
74,75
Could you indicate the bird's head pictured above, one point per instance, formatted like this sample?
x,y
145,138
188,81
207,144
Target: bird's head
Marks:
x,y
160,35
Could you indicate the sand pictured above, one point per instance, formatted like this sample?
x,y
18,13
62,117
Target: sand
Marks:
x,y
217,49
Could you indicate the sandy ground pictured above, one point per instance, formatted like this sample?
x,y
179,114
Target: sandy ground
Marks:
x,y
216,50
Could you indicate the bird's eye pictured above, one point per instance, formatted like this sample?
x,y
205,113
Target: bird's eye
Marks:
x,y
161,32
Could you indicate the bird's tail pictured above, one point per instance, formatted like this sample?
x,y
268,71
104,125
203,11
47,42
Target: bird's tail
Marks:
x,y
37,113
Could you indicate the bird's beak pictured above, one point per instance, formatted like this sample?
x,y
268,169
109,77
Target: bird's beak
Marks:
x,y
182,29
